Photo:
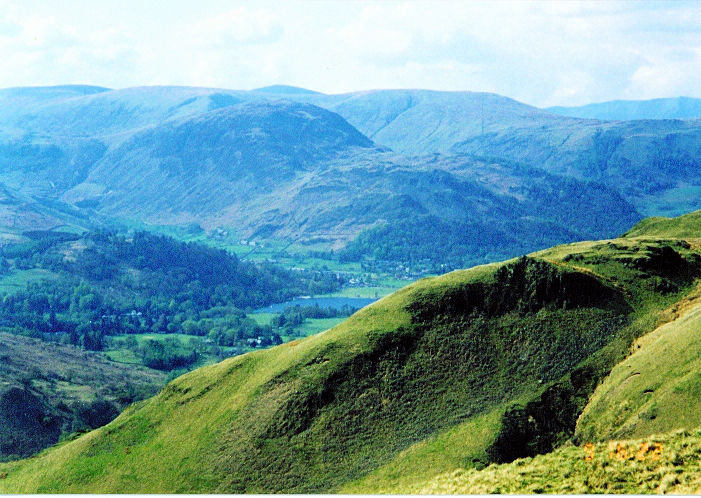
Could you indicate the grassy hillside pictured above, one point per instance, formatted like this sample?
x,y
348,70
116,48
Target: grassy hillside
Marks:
x,y
505,355
687,226
48,389
641,396
658,464
654,391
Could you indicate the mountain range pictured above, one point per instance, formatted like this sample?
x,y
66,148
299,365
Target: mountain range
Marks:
x,y
347,170
626,110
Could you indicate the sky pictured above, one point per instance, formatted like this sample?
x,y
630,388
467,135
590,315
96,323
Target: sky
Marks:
x,y
539,52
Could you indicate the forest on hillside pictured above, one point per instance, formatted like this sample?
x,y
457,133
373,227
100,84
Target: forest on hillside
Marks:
x,y
107,284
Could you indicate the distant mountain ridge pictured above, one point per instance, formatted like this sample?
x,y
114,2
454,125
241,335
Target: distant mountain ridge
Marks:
x,y
284,90
627,110
424,121
286,162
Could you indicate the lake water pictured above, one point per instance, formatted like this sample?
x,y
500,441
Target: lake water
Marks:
x,y
323,302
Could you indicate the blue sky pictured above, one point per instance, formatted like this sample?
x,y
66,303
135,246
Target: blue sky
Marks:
x,y
541,53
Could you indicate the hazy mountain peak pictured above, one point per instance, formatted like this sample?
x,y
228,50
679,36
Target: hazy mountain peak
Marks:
x,y
624,110
285,90
53,91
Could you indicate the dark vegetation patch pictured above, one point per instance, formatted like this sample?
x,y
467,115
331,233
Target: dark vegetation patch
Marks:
x,y
28,425
542,424
526,286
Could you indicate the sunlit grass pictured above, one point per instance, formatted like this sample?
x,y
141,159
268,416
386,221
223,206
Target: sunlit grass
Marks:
x,y
669,463
640,397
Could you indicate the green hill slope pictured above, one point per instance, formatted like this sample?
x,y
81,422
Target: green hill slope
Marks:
x,y
504,356
687,226
47,389
677,469
657,388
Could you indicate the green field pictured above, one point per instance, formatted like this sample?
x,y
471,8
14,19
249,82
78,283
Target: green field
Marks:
x,y
18,280
117,350
310,326
313,326
383,286
262,318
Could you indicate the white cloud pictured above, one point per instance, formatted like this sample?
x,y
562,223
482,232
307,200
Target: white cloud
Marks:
x,y
671,74
543,53
240,26
9,29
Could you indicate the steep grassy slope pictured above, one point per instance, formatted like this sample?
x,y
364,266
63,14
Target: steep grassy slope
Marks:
x,y
406,378
642,397
654,391
658,387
